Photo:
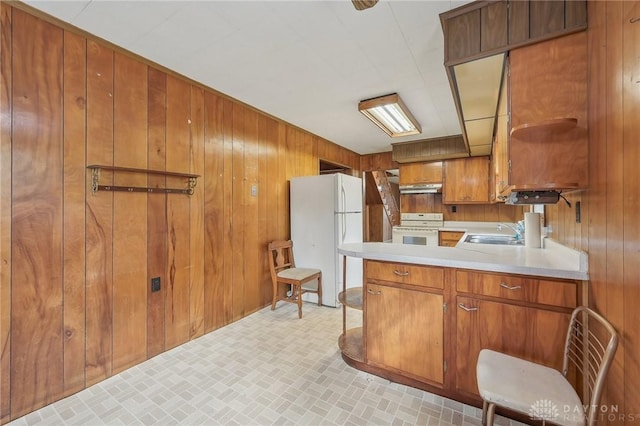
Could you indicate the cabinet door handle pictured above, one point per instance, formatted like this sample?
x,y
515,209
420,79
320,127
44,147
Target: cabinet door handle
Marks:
x,y
400,274
508,287
466,308
374,293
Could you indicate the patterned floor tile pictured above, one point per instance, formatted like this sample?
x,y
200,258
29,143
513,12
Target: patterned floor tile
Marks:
x,y
269,368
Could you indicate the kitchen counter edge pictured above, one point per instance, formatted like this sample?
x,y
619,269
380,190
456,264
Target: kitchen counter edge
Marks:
x,y
456,257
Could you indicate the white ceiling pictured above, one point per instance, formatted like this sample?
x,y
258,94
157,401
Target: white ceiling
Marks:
x,y
308,62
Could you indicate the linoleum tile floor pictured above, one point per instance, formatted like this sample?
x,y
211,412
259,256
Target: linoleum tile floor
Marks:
x,y
269,368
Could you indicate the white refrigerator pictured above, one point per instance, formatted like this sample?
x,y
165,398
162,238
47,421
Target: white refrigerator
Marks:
x,y
326,211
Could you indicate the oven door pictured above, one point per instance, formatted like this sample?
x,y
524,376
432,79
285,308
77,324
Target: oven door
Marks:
x,y
422,237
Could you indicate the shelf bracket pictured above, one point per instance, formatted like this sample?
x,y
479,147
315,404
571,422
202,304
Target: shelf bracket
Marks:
x,y
95,179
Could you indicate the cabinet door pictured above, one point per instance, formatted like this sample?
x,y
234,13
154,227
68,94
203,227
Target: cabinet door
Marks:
x,y
449,238
466,181
548,148
404,331
531,333
501,143
413,173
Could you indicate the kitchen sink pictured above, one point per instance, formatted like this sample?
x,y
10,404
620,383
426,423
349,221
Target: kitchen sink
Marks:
x,y
507,240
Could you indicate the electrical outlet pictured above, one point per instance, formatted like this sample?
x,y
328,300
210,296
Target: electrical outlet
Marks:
x,y
155,284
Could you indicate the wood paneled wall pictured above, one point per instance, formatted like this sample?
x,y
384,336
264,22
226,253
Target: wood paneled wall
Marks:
x,y
76,304
609,229
498,212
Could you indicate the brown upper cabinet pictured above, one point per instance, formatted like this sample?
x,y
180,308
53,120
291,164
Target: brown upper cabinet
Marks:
x,y
548,146
466,181
415,173
484,28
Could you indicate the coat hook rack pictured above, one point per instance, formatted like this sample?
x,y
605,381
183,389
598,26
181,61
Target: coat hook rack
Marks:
x,y
192,180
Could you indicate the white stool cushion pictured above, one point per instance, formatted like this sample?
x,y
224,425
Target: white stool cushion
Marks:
x,y
528,388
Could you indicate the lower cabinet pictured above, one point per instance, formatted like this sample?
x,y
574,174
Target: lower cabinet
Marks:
x,y
532,333
404,331
407,308
449,238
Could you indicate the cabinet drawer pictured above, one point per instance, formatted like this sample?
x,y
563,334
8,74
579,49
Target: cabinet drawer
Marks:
x,y
513,287
424,276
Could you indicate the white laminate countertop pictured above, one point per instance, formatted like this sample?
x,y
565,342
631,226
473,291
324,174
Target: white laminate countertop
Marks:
x,y
554,260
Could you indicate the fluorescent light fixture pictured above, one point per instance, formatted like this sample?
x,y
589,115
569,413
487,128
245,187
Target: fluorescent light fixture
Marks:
x,y
391,115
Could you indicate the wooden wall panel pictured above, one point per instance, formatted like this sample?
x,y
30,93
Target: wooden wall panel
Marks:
x,y
74,104
379,161
609,227
37,215
432,203
631,206
252,243
283,182
238,281
214,225
129,214
6,51
156,211
229,213
178,213
99,215
196,249
614,185
268,224
292,149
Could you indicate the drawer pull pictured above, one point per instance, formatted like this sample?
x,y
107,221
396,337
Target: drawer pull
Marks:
x,y
400,274
466,308
375,293
508,287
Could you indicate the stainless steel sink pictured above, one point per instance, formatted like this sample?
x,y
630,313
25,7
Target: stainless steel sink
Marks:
x,y
507,240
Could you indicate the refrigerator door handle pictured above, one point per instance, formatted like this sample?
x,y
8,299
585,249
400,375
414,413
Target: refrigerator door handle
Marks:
x,y
343,195
344,229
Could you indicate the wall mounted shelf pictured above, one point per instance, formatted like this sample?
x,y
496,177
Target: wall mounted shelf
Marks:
x,y
539,132
192,180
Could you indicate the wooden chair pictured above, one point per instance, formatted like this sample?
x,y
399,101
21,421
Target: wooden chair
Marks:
x,y
544,393
284,271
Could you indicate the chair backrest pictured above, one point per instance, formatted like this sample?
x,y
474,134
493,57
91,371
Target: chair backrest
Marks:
x,y
590,346
281,256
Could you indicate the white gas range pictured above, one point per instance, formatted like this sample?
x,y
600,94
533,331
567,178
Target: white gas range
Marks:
x,y
418,228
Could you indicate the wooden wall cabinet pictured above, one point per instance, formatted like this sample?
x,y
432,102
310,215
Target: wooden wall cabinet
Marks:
x,y
483,28
548,148
466,181
521,316
404,325
414,173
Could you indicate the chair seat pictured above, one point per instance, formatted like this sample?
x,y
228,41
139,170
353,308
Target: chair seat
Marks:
x,y
298,274
528,388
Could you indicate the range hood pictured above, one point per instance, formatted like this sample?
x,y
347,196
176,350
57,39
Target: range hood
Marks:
x,y
533,197
421,188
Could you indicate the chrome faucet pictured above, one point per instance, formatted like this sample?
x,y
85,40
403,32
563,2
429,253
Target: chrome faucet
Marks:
x,y
518,229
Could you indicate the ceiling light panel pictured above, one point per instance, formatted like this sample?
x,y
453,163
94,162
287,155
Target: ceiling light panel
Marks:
x,y
391,115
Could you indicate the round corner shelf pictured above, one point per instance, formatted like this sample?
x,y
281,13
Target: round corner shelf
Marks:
x,y
350,343
352,297
538,132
